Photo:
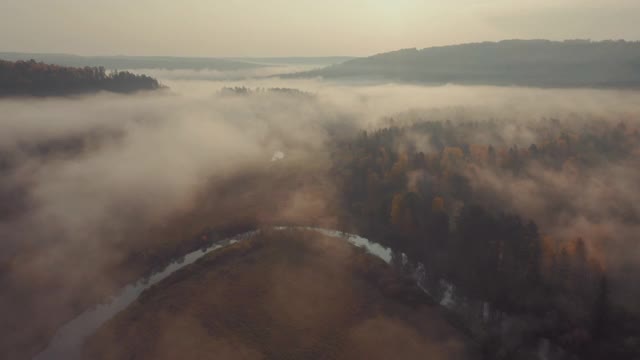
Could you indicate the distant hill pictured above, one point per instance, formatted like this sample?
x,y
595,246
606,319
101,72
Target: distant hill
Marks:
x,y
172,63
31,78
318,61
134,62
540,63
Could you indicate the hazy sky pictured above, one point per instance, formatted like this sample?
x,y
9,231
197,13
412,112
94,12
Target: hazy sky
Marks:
x,y
299,27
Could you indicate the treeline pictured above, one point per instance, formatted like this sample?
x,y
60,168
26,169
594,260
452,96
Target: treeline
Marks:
x,y
39,79
422,202
242,90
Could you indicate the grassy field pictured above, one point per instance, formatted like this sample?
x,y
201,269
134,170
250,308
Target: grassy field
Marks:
x,y
282,295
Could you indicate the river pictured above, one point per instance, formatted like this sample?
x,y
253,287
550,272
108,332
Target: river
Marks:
x,y
68,339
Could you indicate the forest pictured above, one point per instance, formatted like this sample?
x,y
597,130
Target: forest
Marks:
x,y
33,78
427,202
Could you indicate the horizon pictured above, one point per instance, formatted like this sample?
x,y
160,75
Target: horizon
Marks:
x,y
294,56
197,28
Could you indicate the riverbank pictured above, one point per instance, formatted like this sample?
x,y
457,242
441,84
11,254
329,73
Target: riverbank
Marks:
x,y
283,294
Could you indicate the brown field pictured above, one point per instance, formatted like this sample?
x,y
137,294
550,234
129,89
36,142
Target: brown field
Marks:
x,y
282,295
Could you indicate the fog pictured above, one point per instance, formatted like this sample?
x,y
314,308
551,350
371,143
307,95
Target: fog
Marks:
x,y
84,180
269,70
150,153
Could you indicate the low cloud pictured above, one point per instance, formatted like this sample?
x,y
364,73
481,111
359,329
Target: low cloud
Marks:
x,y
84,180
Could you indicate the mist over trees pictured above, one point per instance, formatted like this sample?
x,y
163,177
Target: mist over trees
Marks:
x,y
417,188
528,203
244,91
40,79
540,63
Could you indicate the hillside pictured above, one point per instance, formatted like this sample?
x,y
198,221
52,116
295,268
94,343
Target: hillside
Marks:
x,y
538,63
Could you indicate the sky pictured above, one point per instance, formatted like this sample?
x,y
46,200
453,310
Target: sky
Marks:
x,y
299,27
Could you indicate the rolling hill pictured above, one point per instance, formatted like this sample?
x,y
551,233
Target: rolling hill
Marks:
x,y
536,63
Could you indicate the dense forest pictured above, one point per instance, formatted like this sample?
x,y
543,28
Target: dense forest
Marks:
x,y
40,79
540,63
426,201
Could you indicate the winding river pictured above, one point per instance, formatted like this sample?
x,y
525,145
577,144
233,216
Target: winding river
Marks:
x,y
68,340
